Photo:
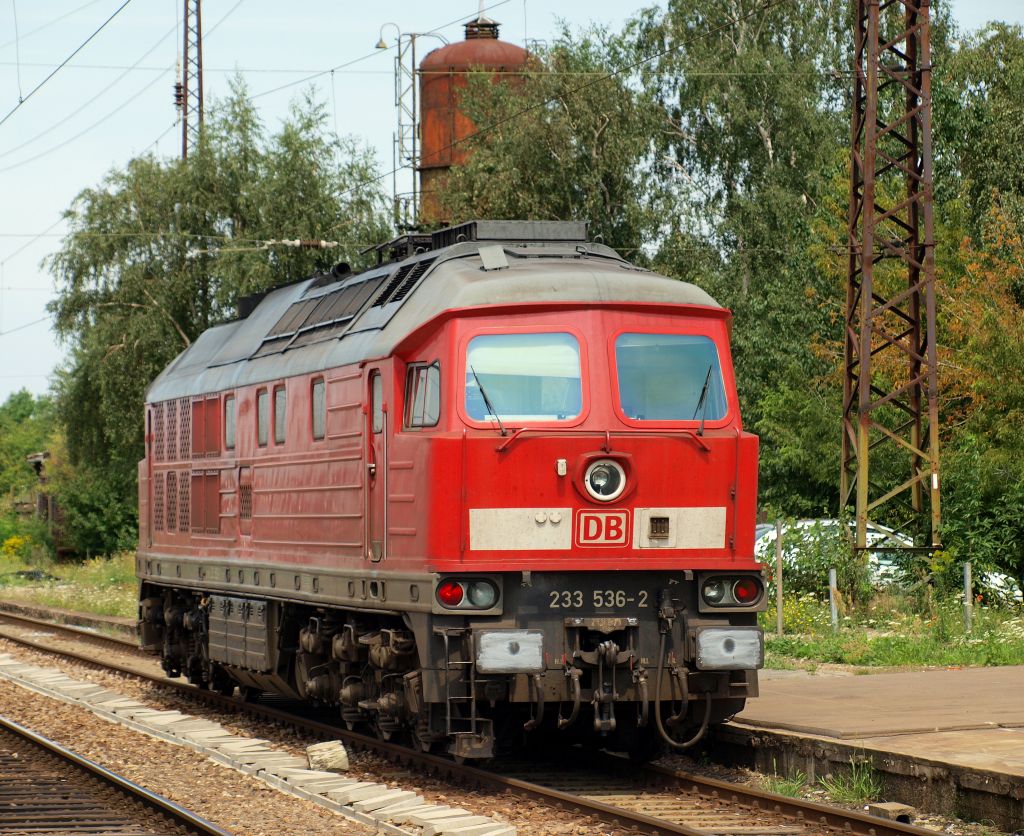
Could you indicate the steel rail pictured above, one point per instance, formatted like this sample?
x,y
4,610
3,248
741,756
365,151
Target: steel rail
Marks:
x,y
179,817
129,644
760,802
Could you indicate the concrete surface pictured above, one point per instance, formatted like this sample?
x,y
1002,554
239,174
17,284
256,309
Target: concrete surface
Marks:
x,y
945,741
969,716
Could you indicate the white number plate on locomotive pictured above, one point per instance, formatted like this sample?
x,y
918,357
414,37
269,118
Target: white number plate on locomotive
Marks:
x,y
603,599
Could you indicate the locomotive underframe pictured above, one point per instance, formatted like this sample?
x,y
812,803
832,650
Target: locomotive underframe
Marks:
x,y
374,645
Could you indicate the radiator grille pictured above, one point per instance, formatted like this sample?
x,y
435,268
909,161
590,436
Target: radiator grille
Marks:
x,y
184,428
172,501
246,500
159,448
183,501
158,502
172,431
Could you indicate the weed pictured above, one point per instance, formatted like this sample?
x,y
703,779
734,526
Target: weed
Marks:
x,y
106,586
891,636
860,786
791,787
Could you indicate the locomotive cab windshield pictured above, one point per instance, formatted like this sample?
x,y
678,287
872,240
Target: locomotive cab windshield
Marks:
x,y
525,376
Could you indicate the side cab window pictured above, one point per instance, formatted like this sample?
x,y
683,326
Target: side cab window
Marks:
x,y
318,407
262,417
423,395
377,402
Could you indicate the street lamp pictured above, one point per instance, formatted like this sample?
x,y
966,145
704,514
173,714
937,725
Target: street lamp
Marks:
x,y
380,42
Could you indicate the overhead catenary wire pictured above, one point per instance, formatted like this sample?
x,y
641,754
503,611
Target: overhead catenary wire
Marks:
x,y
117,109
763,7
366,57
600,77
826,72
79,48
23,326
264,244
90,127
100,94
49,23
17,46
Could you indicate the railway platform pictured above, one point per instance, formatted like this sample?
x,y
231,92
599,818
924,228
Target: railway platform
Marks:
x,y
948,741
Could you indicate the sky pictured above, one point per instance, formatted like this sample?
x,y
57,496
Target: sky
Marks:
x,y
113,100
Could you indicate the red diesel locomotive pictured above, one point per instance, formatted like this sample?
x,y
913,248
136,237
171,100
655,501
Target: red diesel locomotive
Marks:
x,y
497,483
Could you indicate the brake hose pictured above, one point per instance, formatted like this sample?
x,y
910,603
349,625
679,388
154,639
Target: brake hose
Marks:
x,y
686,699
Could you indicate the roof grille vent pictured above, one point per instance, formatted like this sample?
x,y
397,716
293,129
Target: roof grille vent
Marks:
x,y
402,283
410,282
391,286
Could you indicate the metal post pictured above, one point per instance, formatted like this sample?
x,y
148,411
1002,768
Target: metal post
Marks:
x,y
833,591
778,577
968,597
191,77
890,388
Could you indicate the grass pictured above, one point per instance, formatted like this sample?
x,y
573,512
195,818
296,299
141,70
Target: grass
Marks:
x,y
101,585
860,786
890,634
792,787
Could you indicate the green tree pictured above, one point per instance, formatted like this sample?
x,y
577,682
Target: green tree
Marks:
x,y
710,136
754,143
568,141
979,133
25,426
162,249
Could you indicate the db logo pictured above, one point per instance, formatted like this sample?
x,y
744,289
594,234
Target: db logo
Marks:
x,y
602,528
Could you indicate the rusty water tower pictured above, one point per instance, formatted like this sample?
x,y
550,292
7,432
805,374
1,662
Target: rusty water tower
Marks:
x,y
443,126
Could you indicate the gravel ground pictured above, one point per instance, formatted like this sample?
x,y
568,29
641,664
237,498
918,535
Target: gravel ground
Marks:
x,y
214,791
234,801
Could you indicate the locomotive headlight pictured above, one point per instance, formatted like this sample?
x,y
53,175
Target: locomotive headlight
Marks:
x,y
605,480
713,591
482,594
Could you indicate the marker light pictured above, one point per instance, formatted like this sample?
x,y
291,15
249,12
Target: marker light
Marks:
x,y
482,594
713,591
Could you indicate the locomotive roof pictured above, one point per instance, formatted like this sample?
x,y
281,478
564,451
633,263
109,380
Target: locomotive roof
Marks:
x,y
324,322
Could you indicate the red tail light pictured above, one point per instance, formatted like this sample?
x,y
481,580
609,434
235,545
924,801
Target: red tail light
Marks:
x,y
746,591
450,593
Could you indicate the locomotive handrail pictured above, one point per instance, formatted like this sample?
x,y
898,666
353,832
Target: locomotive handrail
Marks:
x,y
503,447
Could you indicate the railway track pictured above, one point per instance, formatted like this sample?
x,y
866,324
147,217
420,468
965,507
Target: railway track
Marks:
x,y
45,788
648,799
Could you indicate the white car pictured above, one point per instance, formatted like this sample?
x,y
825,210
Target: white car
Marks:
x,y
884,570
881,564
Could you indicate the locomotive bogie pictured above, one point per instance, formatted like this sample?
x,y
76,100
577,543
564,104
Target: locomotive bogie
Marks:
x,y
456,496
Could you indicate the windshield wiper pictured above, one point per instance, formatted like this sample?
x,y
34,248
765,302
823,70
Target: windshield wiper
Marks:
x,y
487,401
702,402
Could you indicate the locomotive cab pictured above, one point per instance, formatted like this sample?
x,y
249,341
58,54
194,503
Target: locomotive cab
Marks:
x,y
493,487
593,559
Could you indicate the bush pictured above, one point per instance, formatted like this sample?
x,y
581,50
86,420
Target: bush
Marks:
x,y
96,520
15,547
802,614
810,549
